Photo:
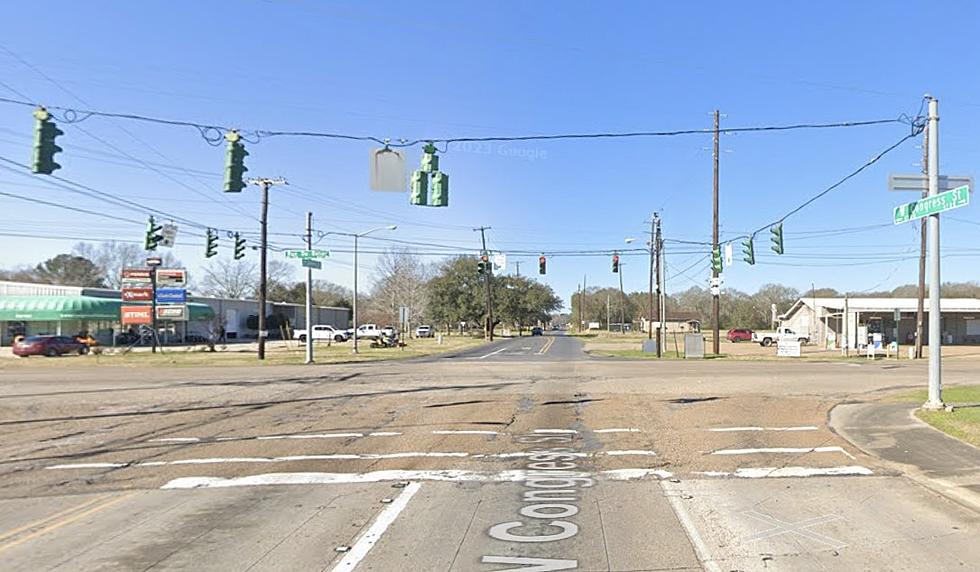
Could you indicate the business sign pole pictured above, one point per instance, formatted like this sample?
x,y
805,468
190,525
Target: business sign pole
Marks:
x,y
309,291
153,263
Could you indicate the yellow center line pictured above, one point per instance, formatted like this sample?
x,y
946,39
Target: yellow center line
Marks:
x,y
547,346
42,521
65,521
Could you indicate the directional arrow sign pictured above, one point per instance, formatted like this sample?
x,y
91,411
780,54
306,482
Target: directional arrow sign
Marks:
x,y
304,254
958,197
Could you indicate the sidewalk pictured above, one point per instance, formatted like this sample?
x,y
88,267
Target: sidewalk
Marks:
x,y
891,432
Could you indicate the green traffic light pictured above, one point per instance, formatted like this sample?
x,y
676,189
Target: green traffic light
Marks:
x,y
777,238
45,134
235,168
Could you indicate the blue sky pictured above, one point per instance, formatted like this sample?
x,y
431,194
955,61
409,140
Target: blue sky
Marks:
x,y
459,69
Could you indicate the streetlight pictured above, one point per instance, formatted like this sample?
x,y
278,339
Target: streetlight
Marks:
x,y
356,236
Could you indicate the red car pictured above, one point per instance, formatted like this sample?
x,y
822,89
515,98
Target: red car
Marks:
x,y
739,335
49,346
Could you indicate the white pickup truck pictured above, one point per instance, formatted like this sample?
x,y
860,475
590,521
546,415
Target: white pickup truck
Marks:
x,y
368,331
780,334
322,332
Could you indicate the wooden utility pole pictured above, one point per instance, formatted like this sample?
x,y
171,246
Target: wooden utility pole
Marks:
x,y
661,319
488,329
715,283
263,254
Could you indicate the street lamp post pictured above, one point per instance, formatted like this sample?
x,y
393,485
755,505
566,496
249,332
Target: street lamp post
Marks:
x,y
356,236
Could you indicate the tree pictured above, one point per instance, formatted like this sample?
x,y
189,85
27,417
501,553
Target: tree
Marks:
x,y
401,283
70,270
521,301
456,293
229,278
324,293
111,257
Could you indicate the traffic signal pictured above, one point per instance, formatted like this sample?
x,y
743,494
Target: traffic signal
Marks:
x,y
239,247
484,265
212,246
45,132
615,263
777,238
440,190
430,161
748,250
542,264
153,235
717,263
235,163
420,188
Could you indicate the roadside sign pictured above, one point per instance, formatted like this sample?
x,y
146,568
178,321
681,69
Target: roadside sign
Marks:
x,y
898,315
171,295
139,294
174,277
728,254
173,313
136,315
306,253
154,261
136,273
958,197
310,263
499,262
788,348
920,183
169,233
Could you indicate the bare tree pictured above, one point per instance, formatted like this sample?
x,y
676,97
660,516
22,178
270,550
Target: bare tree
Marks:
x,y
111,257
229,278
402,277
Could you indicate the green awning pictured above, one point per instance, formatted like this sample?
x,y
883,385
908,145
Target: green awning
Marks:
x,y
54,308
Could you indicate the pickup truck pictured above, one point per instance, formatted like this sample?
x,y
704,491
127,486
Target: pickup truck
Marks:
x,y
322,332
780,334
368,331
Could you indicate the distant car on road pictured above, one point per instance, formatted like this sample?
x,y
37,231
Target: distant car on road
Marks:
x,y
739,335
50,346
536,331
424,332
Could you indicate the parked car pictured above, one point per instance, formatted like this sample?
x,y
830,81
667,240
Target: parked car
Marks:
x,y
49,346
322,332
739,335
388,331
424,332
537,331
783,334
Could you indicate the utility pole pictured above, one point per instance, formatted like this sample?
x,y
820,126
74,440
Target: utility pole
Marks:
x,y
581,294
661,289
935,326
517,263
581,306
488,329
153,306
715,284
661,320
653,226
622,302
263,255
920,310
608,321
309,292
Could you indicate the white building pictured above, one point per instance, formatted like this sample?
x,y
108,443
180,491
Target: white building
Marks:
x,y
826,320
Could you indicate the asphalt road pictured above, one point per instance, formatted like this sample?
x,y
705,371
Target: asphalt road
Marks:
x,y
515,461
552,346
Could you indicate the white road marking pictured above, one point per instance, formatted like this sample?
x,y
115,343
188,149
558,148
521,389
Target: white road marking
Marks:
x,y
618,430
275,437
175,440
306,436
465,432
788,450
449,475
371,536
333,457
779,472
556,431
384,434
736,429
700,546
492,353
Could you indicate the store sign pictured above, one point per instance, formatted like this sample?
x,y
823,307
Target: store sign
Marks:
x,y
137,294
788,349
171,295
136,315
175,277
175,313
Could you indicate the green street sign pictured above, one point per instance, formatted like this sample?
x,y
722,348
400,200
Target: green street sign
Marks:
x,y
310,263
958,197
305,254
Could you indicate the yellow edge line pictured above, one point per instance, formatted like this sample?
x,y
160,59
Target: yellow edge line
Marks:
x,y
65,521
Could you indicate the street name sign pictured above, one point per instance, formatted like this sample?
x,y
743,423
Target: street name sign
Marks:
x,y
920,183
958,197
304,254
310,263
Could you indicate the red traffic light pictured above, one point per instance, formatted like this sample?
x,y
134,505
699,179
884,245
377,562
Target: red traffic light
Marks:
x,y
542,261
615,267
